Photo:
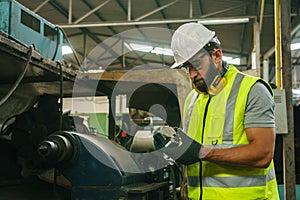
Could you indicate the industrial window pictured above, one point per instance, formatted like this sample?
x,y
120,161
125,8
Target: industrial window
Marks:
x,y
30,21
50,32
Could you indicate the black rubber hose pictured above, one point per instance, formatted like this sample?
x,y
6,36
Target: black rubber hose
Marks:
x,y
18,81
61,95
57,43
74,52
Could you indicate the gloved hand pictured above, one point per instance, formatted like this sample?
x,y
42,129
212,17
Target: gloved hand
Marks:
x,y
163,136
181,148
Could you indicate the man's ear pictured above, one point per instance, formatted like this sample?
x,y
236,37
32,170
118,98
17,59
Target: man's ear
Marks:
x,y
218,55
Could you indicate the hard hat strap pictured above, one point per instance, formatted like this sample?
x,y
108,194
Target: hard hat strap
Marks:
x,y
224,68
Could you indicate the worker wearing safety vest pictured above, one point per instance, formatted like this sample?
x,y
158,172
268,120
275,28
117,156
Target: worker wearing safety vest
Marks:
x,y
229,121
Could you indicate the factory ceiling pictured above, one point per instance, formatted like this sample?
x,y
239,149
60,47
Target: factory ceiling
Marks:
x,y
123,34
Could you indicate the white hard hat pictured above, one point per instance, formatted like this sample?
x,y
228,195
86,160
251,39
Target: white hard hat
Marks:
x,y
187,40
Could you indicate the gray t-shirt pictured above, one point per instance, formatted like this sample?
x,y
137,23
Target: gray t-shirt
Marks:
x,y
259,108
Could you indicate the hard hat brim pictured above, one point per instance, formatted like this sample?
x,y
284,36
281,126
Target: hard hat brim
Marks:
x,y
176,65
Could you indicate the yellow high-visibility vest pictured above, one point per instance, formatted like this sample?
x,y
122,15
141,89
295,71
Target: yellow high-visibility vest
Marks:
x,y
222,124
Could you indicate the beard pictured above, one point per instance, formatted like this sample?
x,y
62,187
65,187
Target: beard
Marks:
x,y
200,85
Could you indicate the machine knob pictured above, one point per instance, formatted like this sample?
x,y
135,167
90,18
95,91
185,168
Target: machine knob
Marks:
x,y
47,148
58,149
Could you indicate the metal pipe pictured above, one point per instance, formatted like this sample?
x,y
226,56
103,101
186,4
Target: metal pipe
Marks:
x,y
261,15
129,11
277,43
257,33
70,11
123,58
288,142
211,21
243,31
254,36
272,49
256,48
266,70
191,8
84,45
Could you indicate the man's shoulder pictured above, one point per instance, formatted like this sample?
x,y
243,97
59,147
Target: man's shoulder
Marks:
x,y
259,92
260,87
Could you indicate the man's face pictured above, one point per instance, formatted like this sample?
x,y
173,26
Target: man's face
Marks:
x,y
202,70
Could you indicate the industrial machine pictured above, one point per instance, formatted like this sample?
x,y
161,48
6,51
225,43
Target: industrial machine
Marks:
x,y
45,146
28,28
102,169
47,153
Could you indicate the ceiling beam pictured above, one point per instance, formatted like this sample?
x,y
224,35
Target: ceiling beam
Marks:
x,y
129,15
110,28
70,11
201,7
40,6
191,9
129,10
262,6
91,12
243,32
163,13
222,11
155,11
64,12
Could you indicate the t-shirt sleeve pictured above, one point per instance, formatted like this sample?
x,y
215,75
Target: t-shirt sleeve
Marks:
x,y
260,108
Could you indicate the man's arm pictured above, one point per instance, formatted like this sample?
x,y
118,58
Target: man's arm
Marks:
x,y
258,153
259,126
260,130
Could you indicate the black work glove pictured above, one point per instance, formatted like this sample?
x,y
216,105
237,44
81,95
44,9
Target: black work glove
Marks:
x,y
160,140
185,150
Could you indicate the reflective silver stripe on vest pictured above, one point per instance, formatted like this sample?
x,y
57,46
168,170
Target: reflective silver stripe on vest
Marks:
x,y
230,107
225,146
189,112
271,174
232,181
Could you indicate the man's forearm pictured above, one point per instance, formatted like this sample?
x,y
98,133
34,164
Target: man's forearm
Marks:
x,y
238,157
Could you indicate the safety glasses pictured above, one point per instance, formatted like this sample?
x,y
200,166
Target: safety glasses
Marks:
x,y
197,62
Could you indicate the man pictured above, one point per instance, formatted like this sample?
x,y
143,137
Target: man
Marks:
x,y
230,117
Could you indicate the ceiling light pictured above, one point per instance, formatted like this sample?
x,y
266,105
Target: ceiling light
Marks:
x,y
296,91
140,47
66,50
150,49
295,46
221,21
164,51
